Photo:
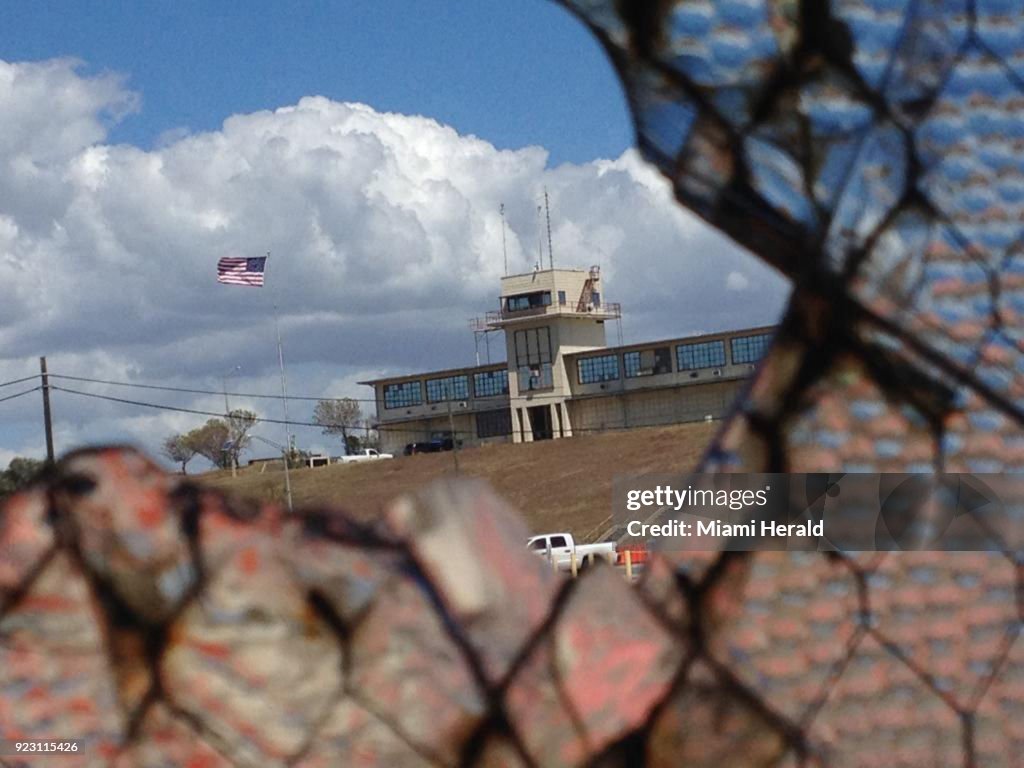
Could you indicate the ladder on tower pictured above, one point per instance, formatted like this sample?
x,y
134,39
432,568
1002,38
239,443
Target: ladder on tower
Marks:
x,y
586,296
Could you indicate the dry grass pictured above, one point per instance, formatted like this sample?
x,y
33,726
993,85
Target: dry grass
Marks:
x,y
557,484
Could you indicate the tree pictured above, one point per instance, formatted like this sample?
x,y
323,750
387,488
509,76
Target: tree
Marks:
x,y
19,473
338,417
223,440
180,450
209,442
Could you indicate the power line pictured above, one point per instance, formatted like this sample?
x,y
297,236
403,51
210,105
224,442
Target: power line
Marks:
x,y
21,394
354,427
19,381
176,408
191,391
253,395
380,427
197,412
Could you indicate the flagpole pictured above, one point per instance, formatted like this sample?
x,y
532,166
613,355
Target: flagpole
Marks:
x,y
284,402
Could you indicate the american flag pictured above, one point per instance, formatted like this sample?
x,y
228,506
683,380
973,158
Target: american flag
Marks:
x,y
238,271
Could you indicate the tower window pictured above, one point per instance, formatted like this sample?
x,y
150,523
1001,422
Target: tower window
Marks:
x,y
526,301
533,346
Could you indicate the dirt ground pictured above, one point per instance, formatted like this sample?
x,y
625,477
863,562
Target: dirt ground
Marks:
x,y
558,485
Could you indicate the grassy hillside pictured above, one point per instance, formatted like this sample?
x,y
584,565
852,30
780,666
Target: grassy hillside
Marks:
x,y
557,484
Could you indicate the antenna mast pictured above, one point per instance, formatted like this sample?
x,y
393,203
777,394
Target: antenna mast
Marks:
x,y
540,240
504,248
547,211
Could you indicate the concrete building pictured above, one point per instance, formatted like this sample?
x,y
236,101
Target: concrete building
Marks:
x,y
561,378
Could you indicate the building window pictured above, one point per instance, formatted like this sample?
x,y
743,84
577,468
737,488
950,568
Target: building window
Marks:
x,y
527,301
561,298
448,388
749,349
496,423
593,369
647,362
705,354
631,364
536,377
533,359
490,383
403,395
533,347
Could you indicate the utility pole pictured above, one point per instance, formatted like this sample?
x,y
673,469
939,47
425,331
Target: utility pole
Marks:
x,y
289,451
227,415
289,446
47,420
285,455
451,428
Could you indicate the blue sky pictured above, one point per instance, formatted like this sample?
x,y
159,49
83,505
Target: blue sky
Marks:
x,y
512,73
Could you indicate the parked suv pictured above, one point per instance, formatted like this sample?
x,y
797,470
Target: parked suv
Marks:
x,y
430,446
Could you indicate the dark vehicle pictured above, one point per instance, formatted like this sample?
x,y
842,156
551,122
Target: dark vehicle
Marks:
x,y
430,446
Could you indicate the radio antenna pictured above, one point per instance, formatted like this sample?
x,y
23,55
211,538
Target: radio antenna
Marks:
x,y
547,211
540,240
504,247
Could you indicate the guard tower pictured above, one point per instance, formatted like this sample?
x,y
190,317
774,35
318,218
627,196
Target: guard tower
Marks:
x,y
546,315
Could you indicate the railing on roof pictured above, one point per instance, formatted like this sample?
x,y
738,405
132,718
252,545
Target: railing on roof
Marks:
x,y
605,310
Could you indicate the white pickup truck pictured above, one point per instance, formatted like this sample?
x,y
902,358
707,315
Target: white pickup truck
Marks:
x,y
367,454
560,546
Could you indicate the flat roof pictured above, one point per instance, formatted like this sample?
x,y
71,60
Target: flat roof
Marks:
x,y
695,338
446,372
599,351
545,271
